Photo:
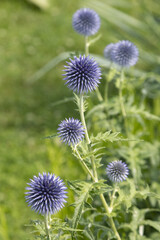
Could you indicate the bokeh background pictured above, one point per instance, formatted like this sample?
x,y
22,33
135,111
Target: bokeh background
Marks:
x,y
32,34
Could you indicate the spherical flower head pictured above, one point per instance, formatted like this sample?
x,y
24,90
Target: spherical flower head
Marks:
x,y
86,22
83,74
117,171
107,51
46,194
124,53
71,131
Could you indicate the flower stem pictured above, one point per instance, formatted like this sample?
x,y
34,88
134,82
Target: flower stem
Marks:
x,y
120,94
99,96
83,164
81,109
47,227
86,46
110,218
94,176
113,197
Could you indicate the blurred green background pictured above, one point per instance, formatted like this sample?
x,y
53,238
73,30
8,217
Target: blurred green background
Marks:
x,y
31,35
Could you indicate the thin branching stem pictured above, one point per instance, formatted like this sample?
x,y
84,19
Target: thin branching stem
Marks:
x,y
94,176
47,227
85,167
81,110
113,197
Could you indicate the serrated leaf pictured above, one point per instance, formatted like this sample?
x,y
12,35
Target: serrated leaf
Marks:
x,y
100,187
82,198
108,136
134,110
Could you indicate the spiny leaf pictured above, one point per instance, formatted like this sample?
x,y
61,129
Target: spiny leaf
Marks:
x,y
108,136
100,187
51,136
83,196
77,101
134,110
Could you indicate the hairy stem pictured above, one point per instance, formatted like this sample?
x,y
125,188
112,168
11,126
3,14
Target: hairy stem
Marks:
x,y
110,218
83,164
95,177
47,227
81,110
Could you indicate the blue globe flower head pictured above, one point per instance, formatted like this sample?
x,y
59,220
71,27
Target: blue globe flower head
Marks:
x,y
107,51
46,194
124,53
83,74
117,171
86,22
71,131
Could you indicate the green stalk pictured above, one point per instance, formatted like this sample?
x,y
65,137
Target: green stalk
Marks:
x,y
83,164
81,110
86,46
99,96
95,176
120,95
47,227
113,197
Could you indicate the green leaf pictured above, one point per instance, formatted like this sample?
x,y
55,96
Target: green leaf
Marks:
x,y
83,195
51,136
108,136
134,110
65,100
154,224
49,66
77,101
42,4
100,187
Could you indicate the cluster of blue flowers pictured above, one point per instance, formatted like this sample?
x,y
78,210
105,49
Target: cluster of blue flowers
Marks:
x,y
46,193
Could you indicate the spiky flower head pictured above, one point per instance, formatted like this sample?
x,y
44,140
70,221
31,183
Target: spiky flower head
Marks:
x,y
86,22
107,51
71,131
46,193
117,171
83,74
124,53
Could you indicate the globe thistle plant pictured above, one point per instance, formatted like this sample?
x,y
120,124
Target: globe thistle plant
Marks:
x,y
107,51
83,74
46,194
86,22
117,171
71,131
124,53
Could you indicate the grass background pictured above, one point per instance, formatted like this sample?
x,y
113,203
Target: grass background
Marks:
x,y
29,38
